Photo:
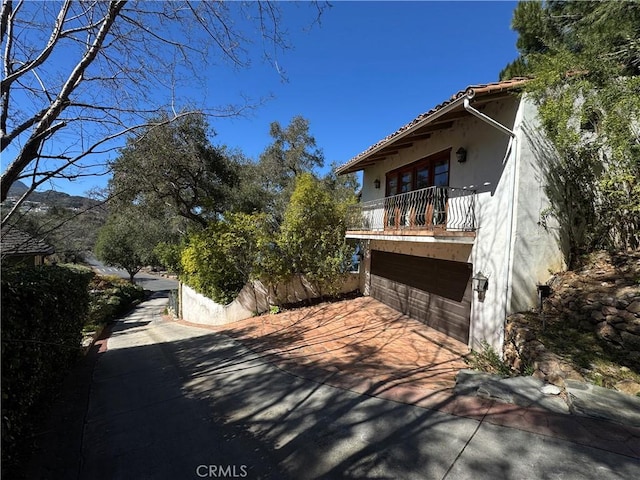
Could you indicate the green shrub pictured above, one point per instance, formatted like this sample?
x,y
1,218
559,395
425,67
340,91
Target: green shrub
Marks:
x,y
110,297
486,359
43,311
219,260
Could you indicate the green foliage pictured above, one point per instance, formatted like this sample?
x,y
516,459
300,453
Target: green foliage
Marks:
x,y
128,240
312,235
267,185
174,163
43,311
486,359
585,60
109,297
168,255
282,222
220,259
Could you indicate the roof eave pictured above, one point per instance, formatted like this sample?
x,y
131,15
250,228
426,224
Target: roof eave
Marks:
x,y
471,92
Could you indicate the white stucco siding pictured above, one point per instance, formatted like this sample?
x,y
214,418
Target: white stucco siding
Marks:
x,y
485,147
536,250
490,253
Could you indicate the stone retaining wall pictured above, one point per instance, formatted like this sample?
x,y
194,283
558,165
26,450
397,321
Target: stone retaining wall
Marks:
x,y
522,351
603,297
615,319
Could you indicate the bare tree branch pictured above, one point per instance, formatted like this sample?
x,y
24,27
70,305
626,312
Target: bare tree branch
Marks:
x,y
78,75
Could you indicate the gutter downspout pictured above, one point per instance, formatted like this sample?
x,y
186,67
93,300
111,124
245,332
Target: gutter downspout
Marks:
x,y
513,142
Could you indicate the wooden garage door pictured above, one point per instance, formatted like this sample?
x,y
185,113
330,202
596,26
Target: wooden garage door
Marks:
x,y
437,292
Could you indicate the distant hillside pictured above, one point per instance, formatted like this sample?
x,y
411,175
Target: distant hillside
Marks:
x,y
52,198
69,223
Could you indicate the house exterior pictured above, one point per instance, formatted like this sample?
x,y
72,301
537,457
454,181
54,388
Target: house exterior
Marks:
x,y
20,248
450,217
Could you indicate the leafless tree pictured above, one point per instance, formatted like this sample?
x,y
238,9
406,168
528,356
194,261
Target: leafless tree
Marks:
x,y
80,75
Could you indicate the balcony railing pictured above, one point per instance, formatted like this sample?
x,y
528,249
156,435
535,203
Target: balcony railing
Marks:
x,y
428,209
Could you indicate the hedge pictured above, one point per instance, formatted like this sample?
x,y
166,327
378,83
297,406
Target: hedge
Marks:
x,y
43,311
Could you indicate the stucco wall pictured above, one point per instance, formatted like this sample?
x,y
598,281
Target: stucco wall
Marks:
x,y
255,298
536,250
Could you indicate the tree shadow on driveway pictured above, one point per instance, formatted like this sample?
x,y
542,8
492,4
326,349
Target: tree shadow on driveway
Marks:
x,y
166,400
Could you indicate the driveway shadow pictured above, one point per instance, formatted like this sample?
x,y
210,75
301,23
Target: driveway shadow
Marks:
x,y
168,399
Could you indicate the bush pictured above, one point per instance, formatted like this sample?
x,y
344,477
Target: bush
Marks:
x,y
219,260
110,297
486,359
43,312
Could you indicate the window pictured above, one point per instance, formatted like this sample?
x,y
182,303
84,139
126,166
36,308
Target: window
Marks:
x,y
424,209
432,171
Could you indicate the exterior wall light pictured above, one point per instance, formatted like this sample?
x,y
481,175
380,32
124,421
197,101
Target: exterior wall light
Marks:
x,y
461,155
376,183
481,285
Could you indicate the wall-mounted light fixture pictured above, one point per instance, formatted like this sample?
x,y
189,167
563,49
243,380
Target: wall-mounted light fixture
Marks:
x,y
480,285
376,183
461,155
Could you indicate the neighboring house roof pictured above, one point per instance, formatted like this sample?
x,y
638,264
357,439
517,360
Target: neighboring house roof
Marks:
x,y
15,242
421,127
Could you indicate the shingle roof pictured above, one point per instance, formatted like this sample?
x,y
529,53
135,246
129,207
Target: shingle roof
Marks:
x,y
475,90
15,242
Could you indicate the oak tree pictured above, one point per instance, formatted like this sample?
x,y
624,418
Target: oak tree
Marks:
x,y
79,75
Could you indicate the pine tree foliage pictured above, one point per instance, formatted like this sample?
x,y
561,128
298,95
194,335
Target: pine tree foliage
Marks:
x,y
584,58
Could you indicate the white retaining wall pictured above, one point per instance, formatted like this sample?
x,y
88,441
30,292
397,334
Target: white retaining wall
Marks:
x,y
255,298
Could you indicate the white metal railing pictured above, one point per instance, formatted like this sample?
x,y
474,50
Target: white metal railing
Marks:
x,y
445,208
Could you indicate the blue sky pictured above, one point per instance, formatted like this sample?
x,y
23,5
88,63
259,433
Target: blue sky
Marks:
x,y
367,69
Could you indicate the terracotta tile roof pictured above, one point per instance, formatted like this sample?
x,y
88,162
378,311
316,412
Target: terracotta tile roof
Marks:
x,y
15,242
477,90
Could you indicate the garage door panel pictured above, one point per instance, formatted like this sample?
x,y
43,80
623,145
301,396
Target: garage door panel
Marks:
x,y
394,280
442,277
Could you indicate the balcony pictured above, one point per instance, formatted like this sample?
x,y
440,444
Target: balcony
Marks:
x,y
433,211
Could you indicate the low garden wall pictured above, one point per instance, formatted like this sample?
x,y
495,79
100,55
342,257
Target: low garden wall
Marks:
x,y
255,298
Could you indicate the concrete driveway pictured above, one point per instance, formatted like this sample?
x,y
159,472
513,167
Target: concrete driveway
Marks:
x,y
354,341
171,401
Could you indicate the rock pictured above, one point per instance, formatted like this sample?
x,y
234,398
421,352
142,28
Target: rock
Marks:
x,y
634,307
633,327
596,316
608,301
523,335
585,325
609,310
607,332
556,379
614,319
547,363
516,364
628,386
621,304
539,375
597,402
630,340
552,390
468,381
